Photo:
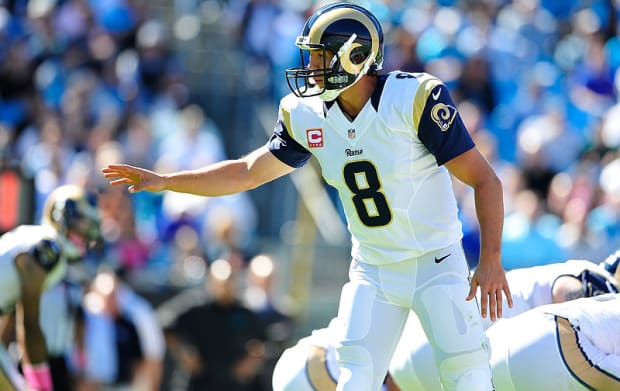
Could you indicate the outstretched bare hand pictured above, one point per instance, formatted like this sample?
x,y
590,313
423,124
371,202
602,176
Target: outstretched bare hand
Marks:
x,y
491,279
137,178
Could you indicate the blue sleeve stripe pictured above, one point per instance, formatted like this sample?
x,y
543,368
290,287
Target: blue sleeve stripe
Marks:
x,y
285,148
441,128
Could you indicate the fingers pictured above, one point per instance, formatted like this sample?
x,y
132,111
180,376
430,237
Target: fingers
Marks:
x,y
119,167
473,286
508,295
493,305
500,303
122,181
115,173
122,174
484,304
123,169
492,302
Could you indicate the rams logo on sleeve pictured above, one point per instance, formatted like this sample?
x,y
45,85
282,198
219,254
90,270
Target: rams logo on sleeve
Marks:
x,y
443,115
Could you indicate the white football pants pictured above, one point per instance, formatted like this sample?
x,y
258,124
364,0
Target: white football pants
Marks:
x,y
373,309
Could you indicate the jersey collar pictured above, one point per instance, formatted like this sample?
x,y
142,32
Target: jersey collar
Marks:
x,y
374,99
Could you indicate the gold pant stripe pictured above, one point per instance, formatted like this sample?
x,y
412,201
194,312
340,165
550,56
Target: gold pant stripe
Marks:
x,y
316,367
577,362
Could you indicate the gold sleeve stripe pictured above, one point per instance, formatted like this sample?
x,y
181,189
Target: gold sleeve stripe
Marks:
x,y
577,362
286,117
316,367
427,83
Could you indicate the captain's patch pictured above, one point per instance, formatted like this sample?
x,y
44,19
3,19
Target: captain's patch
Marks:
x,y
314,138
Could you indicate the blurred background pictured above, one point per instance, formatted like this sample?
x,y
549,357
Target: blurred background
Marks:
x,y
177,84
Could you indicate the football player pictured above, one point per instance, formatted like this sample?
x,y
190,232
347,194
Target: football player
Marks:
x,y
32,259
531,287
570,345
310,364
389,143
573,345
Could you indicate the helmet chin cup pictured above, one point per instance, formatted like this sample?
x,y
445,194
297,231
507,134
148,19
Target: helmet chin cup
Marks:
x,y
330,95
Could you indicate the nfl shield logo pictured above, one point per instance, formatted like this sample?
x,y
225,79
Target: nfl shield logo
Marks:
x,y
351,133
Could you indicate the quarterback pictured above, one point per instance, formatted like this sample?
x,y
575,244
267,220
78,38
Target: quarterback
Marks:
x,y
390,144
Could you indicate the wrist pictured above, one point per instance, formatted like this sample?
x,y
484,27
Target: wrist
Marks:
x,y
165,181
38,377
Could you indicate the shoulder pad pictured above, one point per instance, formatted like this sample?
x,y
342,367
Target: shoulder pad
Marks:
x,y
47,253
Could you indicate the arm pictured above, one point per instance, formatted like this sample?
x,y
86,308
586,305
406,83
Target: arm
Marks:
x,y
147,375
472,169
28,329
566,288
185,354
222,178
7,328
29,334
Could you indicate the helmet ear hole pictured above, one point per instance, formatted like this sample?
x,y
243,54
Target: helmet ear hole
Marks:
x,y
358,56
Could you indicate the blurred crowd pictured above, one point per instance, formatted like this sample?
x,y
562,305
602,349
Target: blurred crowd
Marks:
x,y
84,83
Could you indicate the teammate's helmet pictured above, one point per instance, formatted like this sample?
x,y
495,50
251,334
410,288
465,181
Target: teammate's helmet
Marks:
x,y
611,264
73,213
352,34
595,284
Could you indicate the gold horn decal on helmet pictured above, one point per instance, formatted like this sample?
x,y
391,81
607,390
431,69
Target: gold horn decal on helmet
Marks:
x,y
321,24
443,115
345,60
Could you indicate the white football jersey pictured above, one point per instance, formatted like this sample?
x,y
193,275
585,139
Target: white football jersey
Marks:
x,y
12,243
597,319
532,286
573,345
387,163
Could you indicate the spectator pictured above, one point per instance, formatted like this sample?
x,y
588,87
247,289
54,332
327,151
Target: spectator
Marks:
x,y
260,295
123,341
218,344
